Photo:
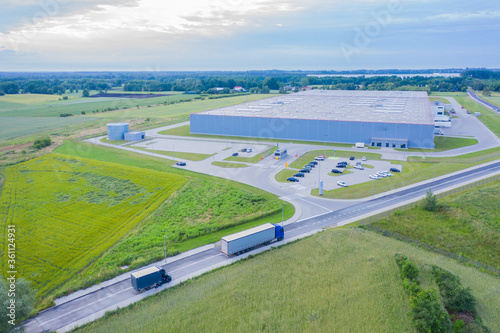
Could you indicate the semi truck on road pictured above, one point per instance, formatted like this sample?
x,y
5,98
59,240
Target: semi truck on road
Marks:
x,y
246,240
148,277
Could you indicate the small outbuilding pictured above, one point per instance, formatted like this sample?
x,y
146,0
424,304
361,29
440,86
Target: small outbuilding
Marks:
x,y
135,136
116,131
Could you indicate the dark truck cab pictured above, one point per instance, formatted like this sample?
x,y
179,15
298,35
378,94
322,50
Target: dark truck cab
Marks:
x,y
149,277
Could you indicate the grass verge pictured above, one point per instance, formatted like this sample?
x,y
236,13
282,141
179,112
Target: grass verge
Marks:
x,y
229,164
177,154
309,156
467,223
443,143
254,159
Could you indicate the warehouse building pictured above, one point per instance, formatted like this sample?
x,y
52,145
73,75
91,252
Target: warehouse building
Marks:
x,y
395,119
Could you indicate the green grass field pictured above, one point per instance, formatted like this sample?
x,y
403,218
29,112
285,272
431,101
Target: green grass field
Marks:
x,y
13,127
201,212
494,98
229,164
88,105
488,117
284,174
182,110
442,143
413,172
342,280
71,210
444,100
177,154
468,223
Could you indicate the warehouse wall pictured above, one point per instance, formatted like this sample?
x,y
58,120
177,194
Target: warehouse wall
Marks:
x,y
418,135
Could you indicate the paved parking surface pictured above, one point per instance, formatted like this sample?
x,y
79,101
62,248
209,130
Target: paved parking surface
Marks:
x,y
322,170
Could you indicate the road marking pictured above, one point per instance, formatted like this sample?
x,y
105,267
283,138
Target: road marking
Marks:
x,y
195,263
86,305
312,203
298,187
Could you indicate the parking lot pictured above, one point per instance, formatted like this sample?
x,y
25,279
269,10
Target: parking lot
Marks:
x,y
351,176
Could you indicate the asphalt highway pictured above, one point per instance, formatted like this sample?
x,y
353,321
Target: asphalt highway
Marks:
x,y
88,307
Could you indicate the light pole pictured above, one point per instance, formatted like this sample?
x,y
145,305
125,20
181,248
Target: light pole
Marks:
x,y
165,247
373,193
282,213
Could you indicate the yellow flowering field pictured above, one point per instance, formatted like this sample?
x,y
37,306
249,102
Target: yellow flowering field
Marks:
x,y
67,211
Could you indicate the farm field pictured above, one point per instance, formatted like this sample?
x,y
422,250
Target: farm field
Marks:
x,y
87,105
203,194
71,210
13,127
341,280
200,213
182,110
467,223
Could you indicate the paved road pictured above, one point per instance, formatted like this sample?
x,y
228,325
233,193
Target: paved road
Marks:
x,y
478,99
93,305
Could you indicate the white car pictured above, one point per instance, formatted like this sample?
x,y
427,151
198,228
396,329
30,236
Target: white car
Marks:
x,y
381,174
363,159
359,166
388,173
375,177
343,184
320,158
249,150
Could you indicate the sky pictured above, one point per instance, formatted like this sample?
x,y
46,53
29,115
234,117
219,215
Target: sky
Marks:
x,y
167,35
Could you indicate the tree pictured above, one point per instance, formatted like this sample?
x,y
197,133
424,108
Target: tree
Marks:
x,y
486,91
430,203
23,299
85,93
427,312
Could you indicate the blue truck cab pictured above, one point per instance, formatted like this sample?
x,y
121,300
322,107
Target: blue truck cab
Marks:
x,y
279,232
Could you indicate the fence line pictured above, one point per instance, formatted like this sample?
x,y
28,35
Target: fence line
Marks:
x,y
366,223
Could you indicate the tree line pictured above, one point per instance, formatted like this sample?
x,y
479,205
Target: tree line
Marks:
x,y
254,82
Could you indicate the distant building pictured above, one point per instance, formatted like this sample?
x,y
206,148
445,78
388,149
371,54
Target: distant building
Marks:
x,y
135,136
238,88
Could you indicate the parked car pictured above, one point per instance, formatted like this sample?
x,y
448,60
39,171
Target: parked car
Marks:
x,y
336,171
319,158
352,158
310,165
299,174
363,158
358,163
244,150
359,166
394,170
343,184
375,177
382,174
292,179
387,173
341,166
305,170
235,154
313,162
180,163
249,150
343,162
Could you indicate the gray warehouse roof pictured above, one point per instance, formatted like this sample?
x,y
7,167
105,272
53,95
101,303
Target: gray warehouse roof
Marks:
x,y
412,107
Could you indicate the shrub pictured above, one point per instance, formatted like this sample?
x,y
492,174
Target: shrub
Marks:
x,y
430,203
427,312
83,112
65,98
41,143
409,271
411,287
456,298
